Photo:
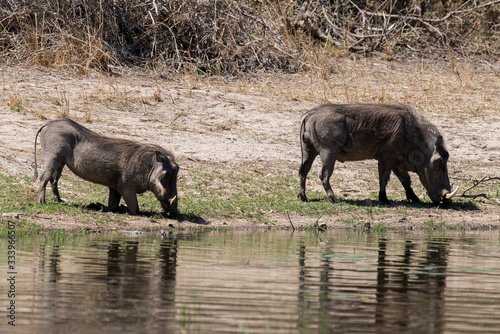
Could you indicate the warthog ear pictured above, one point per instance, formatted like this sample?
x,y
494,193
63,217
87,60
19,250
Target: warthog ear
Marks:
x,y
441,149
167,164
439,141
161,157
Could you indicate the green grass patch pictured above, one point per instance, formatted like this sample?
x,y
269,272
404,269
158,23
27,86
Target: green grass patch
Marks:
x,y
208,191
215,192
17,195
20,195
432,224
22,227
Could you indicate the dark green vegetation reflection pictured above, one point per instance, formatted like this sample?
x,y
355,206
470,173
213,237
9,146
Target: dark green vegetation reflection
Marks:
x,y
256,282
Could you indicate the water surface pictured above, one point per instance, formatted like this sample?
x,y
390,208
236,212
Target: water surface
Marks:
x,y
256,282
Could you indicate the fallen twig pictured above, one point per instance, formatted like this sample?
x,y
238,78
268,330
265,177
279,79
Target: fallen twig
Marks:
x,y
316,226
290,220
78,232
477,183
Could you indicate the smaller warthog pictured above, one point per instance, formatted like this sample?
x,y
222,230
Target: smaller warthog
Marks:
x,y
124,166
398,137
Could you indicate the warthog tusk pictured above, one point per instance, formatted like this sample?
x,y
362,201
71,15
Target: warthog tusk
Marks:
x,y
172,200
450,195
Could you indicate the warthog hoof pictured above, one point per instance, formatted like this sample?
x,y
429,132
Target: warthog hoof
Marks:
x,y
302,196
333,199
382,197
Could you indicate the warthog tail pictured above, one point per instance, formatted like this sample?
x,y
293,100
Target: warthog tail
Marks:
x,y
35,176
302,130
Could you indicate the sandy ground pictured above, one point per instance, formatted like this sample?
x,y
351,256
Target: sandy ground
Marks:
x,y
254,123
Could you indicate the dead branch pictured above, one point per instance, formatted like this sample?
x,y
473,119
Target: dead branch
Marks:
x,y
424,20
290,220
477,183
227,37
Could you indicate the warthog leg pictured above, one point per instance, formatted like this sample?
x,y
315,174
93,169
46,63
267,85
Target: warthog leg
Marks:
x,y
308,156
130,198
41,190
54,183
113,200
404,177
328,158
52,172
384,170
384,174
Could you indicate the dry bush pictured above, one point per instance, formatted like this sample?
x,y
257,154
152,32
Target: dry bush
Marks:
x,y
51,33
229,37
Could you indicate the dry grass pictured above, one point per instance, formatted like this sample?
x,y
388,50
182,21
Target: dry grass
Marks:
x,y
15,103
233,37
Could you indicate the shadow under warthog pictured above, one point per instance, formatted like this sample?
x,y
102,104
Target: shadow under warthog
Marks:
x,y
122,209
457,206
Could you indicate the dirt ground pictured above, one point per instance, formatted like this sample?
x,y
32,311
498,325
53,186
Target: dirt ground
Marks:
x,y
254,123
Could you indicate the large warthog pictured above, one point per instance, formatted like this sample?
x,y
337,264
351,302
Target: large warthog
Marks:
x,y
124,166
398,137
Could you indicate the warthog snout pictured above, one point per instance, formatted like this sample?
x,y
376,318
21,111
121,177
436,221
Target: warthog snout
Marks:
x,y
447,197
170,205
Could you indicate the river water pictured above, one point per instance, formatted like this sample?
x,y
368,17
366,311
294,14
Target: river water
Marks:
x,y
255,282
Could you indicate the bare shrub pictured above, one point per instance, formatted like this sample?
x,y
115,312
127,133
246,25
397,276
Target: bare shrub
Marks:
x,y
229,37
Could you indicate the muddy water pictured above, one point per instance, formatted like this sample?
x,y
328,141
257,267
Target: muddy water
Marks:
x,y
255,282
